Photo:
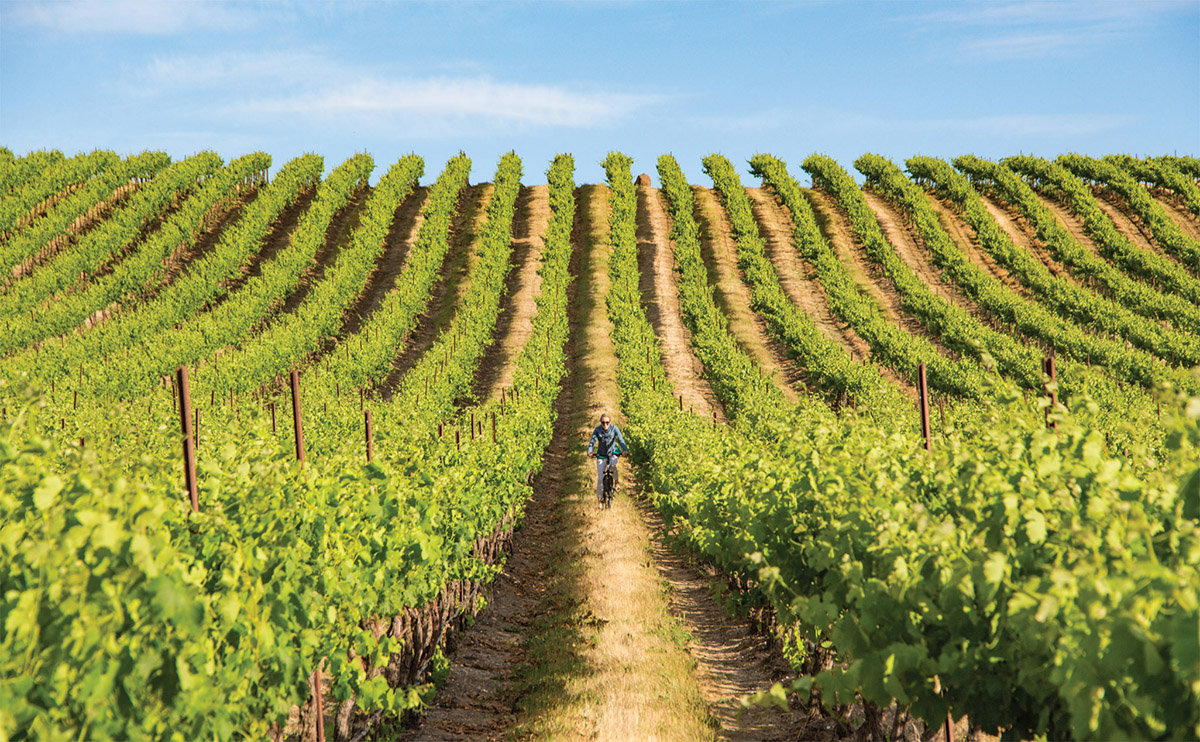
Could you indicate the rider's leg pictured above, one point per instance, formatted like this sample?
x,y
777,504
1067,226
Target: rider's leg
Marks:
x,y
600,465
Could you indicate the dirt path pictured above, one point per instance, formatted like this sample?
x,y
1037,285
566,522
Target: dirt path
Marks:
x,y
835,225
578,641
75,231
341,226
660,298
912,250
732,296
406,222
1072,224
523,285
1179,213
1022,234
177,262
230,214
799,279
1127,224
469,216
278,237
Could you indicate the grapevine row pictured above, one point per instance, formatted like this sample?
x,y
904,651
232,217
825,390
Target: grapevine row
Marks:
x,y
144,269
1032,319
1163,273
16,208
44,235
937,575
1084,264
107,241
1165,231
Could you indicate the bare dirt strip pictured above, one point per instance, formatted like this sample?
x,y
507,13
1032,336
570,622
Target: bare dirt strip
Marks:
x,y
1074,225
176,262
799,279
77,229
1127,223
470,215
911,248
523,285
1022,234
402,234
341,226
278,237
732,295
230,214
1179,213
578,641
835,225
659,279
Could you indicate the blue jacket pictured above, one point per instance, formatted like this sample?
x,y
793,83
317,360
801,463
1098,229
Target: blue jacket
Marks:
x,y
602,440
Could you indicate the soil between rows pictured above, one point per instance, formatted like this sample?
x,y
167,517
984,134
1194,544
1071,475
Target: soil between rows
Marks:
x,y
802,285
1178,211
658,278
578,640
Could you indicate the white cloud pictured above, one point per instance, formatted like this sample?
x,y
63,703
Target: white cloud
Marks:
x,y
542,105
282,85
142,17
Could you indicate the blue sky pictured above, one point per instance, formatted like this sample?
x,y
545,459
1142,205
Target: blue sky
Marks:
x,y
842,78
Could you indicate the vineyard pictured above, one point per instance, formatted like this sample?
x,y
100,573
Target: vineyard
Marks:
x,y
275,442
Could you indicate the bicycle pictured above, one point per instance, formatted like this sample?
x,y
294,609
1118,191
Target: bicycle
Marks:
x,y
608,485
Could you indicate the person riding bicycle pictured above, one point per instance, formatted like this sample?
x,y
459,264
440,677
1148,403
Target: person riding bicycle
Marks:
x,y
606,445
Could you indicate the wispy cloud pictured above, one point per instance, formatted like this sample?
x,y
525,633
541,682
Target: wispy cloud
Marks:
x,y
313,85
139,17
1040,29
460,98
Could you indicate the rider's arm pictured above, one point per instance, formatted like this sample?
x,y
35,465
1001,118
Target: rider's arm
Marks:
x,y
592,443
621,441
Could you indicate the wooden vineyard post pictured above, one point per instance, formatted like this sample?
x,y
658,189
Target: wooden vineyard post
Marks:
x,y
272,406
923,398
367,419
457,439
362,393
441,431
681,403
318,701
1048,370
297,422
472,427
493,426
74,399
189,448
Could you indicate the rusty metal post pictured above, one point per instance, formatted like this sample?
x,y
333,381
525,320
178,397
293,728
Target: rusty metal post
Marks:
x,y
923,397
189,446
362,394
74,399
457,439
949,728
441,431
472,426
272,406
297,421
493,426
370,444
681,403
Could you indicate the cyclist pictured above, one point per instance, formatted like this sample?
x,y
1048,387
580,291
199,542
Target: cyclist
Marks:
x,y
606,445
